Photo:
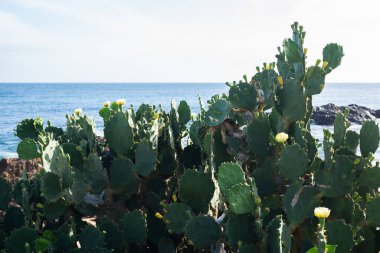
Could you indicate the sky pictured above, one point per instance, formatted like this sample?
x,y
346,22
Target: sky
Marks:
x,y
178,40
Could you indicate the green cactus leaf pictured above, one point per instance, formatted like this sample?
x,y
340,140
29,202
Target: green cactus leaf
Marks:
x,y
54,210
91,238
292,100
229,174
113,236
51,187
156,229
242,229
26,129
243,95
279,236
5,194
27,149
14,218
267,82
145,158
196,133
314,80
352,140
134,227
339,233
184,113
94,174
19,238
76,159
166,245
56,161
373,211
105,113
203,231
293,162
217,112
196,189
333,54
369,138
258,137
299,203
370,177
241,199
176,217
122,177
119,134
192,157
340,128
337,180
329,249
264,175
292,52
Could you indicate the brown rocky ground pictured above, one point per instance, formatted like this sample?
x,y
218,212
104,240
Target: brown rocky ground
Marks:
x,y
11,168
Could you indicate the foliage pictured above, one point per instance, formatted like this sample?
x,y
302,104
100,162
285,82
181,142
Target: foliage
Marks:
x,y
172,182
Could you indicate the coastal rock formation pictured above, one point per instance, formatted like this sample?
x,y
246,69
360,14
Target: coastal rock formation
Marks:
x,y
11,168
325,114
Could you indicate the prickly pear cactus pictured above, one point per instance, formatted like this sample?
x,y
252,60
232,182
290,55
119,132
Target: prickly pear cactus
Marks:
x,y
243,175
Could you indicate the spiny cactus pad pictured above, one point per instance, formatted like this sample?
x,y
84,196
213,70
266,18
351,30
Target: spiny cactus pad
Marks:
x,y
369,138
145,159
196,189
217,112
241,199
339,233
176,217
134,227
122,176
203,231
229,174
293,162
119,134
243,95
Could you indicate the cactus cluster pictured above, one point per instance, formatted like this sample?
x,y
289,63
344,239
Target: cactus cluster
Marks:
x,y
219,181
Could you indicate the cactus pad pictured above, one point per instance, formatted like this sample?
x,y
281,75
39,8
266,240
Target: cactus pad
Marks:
x,y
217,112
134,227
229,174
196,189
145,158
203,231
243,95
119,134
241,199
369,138
293,162
122,177
176,217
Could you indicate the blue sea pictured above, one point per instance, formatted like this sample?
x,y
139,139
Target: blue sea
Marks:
x,y
52,101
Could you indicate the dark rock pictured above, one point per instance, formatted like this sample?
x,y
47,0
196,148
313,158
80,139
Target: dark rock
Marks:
x,y
325,114
11,168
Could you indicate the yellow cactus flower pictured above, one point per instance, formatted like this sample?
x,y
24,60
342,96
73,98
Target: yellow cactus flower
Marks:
x,y
120,102
280,81
321,212
324,65
156,115
174,197
78,111
158,215
107,104
268,67
305,51
282,137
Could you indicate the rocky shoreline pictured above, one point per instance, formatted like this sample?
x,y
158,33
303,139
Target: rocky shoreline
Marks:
x,y
11,169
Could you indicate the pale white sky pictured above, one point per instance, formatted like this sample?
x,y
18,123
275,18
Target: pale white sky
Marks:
x,y
178,40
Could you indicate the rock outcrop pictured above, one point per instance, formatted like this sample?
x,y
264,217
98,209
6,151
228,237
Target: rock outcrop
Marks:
x,y
11,168
325,114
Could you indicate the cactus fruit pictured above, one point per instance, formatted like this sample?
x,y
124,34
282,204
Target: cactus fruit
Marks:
x,y
203,231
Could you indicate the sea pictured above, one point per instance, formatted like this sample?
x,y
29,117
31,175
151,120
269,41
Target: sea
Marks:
x,y
52,101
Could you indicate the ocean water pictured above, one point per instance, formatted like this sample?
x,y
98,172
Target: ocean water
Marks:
x,y
51,101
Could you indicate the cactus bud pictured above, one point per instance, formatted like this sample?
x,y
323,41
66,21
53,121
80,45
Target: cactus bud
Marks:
x,y
107,104
240,243
321,212
174,197
158,215
267,67
78,111
282,137
324,65
120,102
305,51
280,81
